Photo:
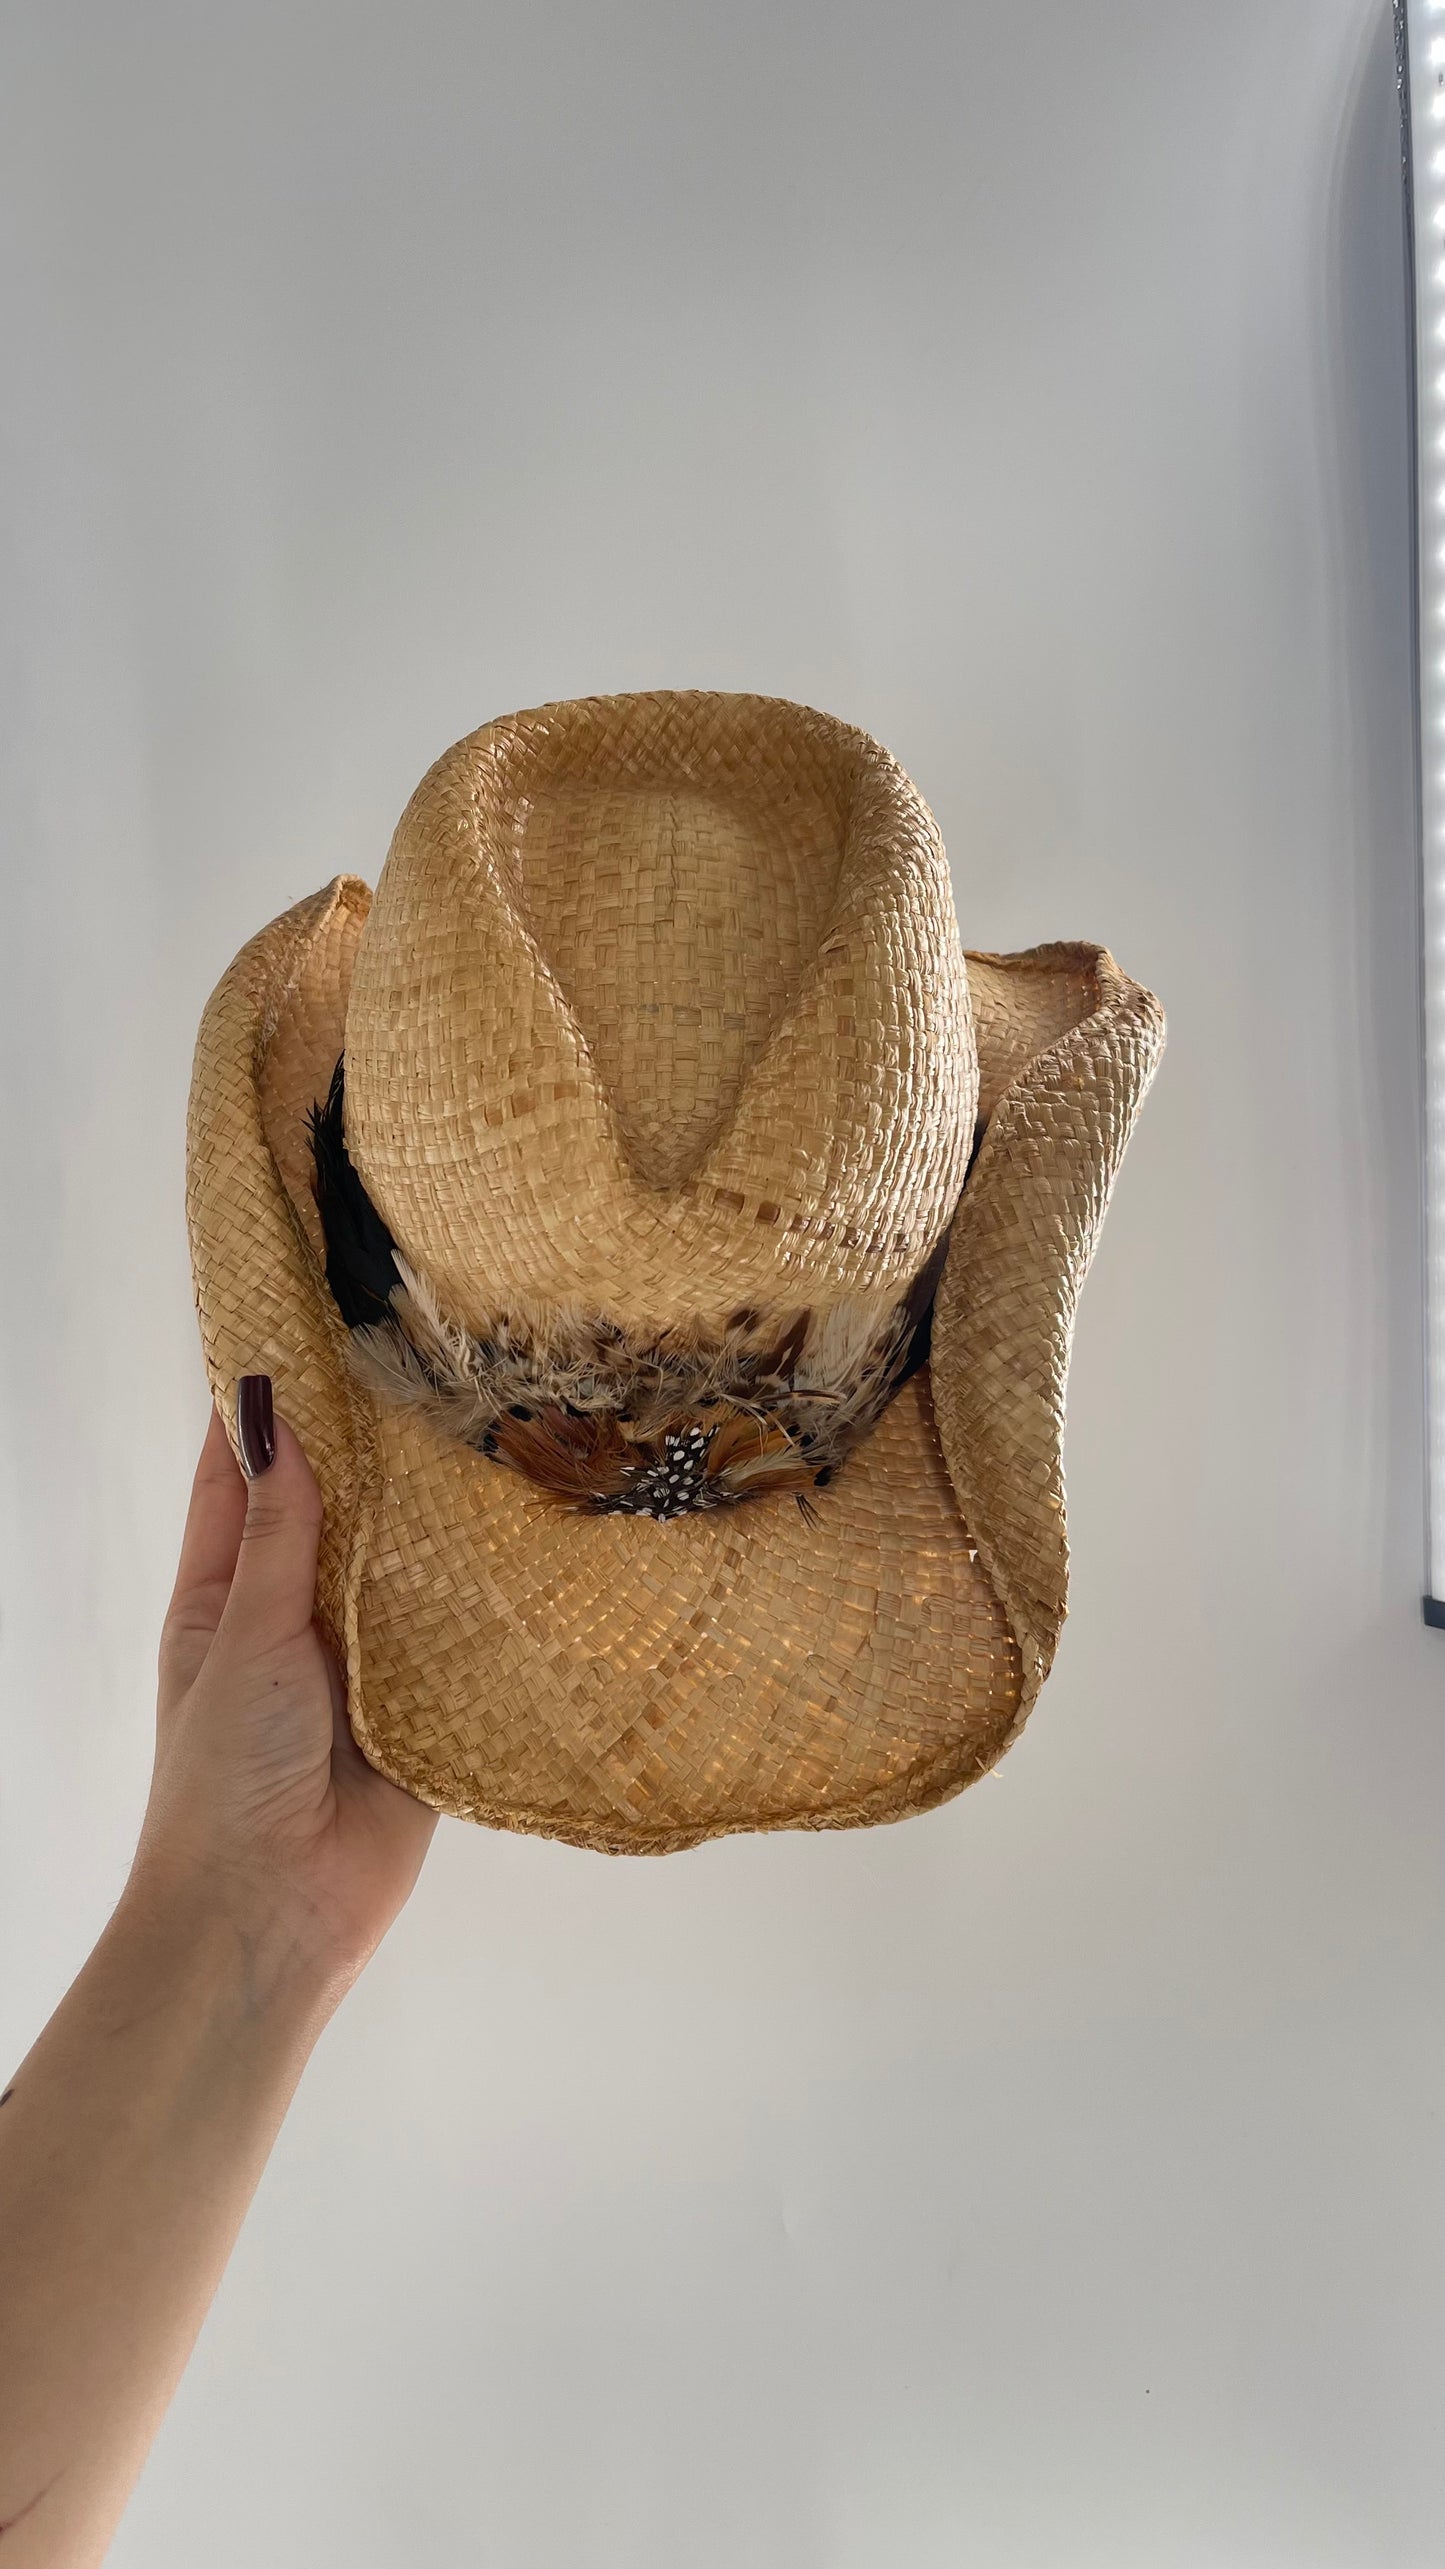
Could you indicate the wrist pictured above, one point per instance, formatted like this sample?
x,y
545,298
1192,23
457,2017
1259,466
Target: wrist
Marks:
x,y
229,1944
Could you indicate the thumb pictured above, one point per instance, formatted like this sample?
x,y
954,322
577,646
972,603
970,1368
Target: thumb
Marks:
x,y
273,1592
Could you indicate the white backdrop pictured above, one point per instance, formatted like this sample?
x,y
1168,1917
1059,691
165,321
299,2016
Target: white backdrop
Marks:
x,y
1052,2182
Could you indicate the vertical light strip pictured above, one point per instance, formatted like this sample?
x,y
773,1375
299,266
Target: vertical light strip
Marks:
x,y
1420,42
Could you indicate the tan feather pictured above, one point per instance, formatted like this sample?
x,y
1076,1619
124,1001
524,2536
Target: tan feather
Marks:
x,y
647,1422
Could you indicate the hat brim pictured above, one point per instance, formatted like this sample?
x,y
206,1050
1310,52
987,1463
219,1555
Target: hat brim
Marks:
x,y
639,1687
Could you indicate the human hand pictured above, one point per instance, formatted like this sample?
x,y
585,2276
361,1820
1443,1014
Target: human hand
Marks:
x,y
261,1800
271,1861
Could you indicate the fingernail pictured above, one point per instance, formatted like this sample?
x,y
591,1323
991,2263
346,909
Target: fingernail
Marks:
x,y
255,1425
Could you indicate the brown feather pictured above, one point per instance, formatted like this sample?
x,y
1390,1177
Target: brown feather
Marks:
x,y
653,1419
738,1440
579,1459
779,1361
652,1423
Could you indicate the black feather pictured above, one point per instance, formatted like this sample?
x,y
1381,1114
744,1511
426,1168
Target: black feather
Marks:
x,y
363,1273
918,1312
360,1264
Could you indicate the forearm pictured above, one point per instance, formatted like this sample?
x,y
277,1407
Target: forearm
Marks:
x,y
131,2142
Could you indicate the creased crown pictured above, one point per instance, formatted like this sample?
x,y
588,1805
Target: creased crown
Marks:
x,y
661,1009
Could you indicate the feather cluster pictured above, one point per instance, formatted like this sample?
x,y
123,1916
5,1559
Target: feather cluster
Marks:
x,y
608,1419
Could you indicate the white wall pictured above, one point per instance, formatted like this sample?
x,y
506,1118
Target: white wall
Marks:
x,y
1054,2182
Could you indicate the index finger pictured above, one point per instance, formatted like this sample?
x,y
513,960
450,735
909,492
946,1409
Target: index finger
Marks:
x,y
209,1547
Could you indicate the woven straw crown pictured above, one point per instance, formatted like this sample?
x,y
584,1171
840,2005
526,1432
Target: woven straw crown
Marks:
x,y
660,1010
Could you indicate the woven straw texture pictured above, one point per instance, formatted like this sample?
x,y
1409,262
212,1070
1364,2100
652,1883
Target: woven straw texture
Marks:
x,y
660,1007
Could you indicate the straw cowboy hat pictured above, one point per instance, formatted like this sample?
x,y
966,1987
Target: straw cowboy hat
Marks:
x,y
665,1242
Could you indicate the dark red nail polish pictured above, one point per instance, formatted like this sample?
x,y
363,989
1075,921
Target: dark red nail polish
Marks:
x,y
255,1425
